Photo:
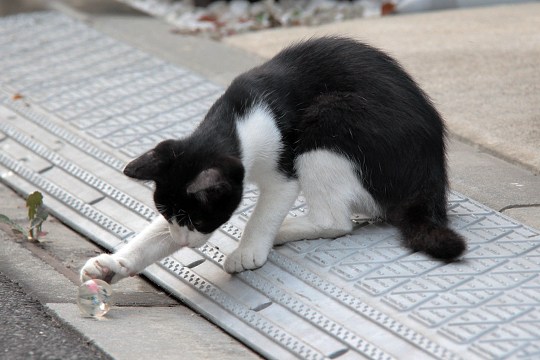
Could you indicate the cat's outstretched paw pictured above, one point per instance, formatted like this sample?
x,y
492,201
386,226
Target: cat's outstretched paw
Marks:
x,y
105,267
245,258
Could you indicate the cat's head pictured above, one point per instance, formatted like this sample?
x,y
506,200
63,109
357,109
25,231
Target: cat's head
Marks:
x,y
196,191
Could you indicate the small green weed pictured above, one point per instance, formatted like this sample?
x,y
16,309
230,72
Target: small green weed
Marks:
x,y
36,217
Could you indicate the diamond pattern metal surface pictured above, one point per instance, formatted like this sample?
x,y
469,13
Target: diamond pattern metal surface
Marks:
x,y
87,103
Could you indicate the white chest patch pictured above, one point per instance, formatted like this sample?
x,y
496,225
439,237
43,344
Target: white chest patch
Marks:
x,y
261,144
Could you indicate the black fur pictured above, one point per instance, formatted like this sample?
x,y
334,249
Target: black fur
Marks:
x,y
332,93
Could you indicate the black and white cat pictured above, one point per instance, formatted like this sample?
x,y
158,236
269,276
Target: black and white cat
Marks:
x,y
331,117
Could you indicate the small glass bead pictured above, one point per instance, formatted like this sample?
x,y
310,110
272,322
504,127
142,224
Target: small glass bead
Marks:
x,y
95,298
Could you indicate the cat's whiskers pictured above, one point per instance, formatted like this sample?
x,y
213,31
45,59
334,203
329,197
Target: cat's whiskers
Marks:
x,y
163,233
180,216
161,208
190,221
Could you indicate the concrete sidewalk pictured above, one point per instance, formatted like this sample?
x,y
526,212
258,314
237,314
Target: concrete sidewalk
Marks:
x,y
480,66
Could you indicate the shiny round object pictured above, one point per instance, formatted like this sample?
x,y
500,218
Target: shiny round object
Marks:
x,y
95,298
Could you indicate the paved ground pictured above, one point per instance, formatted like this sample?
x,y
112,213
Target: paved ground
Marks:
x,y
507,185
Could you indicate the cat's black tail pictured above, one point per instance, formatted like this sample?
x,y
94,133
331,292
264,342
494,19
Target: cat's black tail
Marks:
x,y
424,229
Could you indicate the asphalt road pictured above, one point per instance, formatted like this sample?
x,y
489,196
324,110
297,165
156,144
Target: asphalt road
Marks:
x,y
28,331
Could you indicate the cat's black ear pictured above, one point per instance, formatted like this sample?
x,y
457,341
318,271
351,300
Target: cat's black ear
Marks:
x,y
209,182
148,166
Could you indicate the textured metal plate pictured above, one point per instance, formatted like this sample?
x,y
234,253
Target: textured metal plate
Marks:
x,y
75,105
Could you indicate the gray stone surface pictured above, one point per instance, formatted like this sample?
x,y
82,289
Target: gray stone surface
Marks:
x,y
212,59
494,182
526,214
154,332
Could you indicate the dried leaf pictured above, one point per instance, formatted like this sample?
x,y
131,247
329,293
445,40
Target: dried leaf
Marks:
x,y
208,17
387,8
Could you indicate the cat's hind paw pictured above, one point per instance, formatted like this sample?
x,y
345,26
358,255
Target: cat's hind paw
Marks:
x,y
105,267
245,259
294,229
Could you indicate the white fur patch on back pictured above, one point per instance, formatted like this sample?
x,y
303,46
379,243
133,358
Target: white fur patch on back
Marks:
x,y
260,140
330,181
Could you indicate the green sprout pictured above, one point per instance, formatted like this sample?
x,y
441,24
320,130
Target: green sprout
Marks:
x,y
36,216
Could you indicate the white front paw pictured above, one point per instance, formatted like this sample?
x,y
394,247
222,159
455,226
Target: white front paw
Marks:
x,y
106,267
245,258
